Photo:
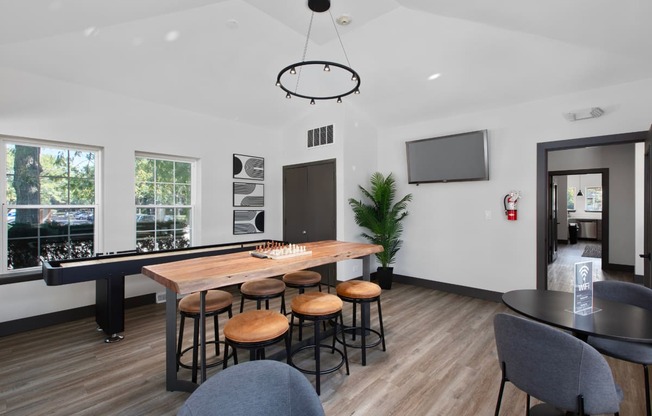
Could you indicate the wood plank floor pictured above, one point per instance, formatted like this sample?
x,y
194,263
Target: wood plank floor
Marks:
x,y
440,360
562,271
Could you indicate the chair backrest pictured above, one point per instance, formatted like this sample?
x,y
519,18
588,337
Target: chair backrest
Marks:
x,y
554,366
261,387
624,292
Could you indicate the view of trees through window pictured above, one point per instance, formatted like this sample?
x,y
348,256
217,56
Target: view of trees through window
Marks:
x,y
50,194
163,203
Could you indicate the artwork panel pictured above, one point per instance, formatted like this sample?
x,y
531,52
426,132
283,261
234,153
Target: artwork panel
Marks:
x,y
248,167
246,194
248,221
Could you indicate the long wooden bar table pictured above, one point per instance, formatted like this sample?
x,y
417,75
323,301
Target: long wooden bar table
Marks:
x,y
205,273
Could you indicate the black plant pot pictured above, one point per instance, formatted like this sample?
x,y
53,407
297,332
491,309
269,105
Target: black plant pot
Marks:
x,y
385,275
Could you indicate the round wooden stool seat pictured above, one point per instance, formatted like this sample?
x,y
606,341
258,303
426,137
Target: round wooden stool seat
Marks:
x,y
358,289
256,326
316,304
262,287
302,278
215,300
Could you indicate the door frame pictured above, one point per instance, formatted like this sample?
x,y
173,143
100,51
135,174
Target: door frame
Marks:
x,y
542,188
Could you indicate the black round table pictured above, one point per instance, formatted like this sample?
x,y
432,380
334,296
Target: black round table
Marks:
x,y
610,319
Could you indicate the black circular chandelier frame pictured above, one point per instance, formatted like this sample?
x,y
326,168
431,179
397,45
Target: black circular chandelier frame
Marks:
x,y
354,77
318,6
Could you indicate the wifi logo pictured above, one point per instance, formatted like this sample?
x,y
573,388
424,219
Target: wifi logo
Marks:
x,y
584,272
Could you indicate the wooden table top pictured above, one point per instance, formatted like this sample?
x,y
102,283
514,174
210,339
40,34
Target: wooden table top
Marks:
x,y
204,273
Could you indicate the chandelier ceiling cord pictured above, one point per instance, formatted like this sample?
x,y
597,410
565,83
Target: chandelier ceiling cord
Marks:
x,y
288,73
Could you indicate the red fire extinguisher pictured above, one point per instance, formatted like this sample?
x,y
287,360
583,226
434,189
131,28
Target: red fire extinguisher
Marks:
x,y
509,202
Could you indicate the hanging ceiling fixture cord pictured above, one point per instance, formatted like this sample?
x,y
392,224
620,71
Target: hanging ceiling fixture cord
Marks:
x,y
340,39
305,51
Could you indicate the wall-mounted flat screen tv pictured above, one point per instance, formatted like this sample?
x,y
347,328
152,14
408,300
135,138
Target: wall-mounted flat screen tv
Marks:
x,y
458,157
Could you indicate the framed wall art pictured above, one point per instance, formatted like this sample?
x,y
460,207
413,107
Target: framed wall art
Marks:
x,y
248,221
246,194
248,167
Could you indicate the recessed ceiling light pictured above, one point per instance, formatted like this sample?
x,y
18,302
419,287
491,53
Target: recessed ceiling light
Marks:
x,y
172,35
434,76
91,31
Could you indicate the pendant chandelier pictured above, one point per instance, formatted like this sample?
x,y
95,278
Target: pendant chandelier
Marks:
x,y
323,80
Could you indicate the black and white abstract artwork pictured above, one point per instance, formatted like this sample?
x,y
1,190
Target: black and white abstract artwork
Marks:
x,y
248,221
248,167
246,194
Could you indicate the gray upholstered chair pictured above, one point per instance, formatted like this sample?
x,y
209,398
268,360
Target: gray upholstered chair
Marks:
x,y
263,387
568,375
632,294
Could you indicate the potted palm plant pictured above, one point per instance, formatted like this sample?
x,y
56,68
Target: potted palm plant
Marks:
x,y
382,218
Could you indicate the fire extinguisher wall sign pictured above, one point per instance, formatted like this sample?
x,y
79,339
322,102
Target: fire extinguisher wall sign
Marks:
x,y
509,202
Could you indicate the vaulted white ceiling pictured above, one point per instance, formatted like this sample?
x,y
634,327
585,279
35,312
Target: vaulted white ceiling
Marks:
x,y
221,58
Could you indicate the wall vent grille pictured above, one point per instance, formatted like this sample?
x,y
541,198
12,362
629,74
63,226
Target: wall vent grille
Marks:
x,y
320,136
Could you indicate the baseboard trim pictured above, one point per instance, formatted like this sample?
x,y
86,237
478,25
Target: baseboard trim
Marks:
x,y
55,318
450,288
618,267
639,279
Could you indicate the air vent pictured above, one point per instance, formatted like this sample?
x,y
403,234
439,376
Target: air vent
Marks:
x,y
320,136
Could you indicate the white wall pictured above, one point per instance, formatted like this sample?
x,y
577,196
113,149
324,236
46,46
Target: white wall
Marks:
x,y
354,148
45,109
455,233
448,237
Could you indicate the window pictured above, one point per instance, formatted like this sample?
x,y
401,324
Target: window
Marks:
x,y
163,203
50,209
570,198
593,199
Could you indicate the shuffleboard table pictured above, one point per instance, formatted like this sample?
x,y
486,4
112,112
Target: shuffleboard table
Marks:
x,y
109,271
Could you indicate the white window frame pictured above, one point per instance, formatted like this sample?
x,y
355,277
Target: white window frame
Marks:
x,y
193,191
98,220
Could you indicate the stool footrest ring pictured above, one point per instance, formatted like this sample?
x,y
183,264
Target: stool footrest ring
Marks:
x,y
323,371
357,330
216,363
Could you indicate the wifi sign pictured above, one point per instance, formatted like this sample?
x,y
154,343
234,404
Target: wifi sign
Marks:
x,y
584,272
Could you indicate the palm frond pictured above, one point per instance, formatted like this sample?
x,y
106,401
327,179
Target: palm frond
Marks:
x,y
381,217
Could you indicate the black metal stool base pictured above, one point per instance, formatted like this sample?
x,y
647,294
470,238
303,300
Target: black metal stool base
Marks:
x,y
321,371
356,332
208,365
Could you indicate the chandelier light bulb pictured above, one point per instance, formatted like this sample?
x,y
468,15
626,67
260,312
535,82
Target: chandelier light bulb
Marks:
x,y
312,102
278,83
293,71
356,91
339,100
354,78
327,68
288,96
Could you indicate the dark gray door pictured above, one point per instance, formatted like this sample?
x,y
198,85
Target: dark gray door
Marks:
x,y
647,217
309,210
553,222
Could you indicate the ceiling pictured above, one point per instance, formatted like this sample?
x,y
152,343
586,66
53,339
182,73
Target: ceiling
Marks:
x,y
221,58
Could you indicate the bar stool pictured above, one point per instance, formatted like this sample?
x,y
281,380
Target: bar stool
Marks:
x,y
262,290
255,330
302,280
217,302
363,293
318,307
